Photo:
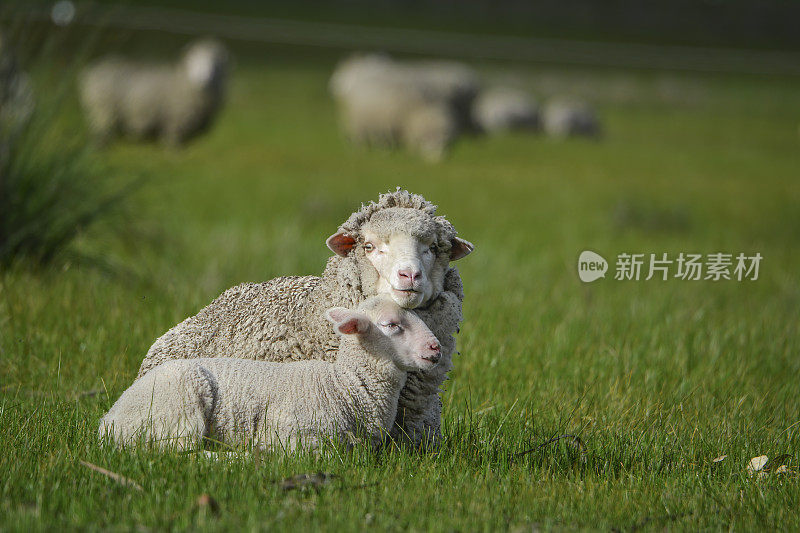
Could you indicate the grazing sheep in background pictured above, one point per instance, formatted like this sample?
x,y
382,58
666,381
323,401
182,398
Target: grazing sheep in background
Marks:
x,y
282,406
448,81
419,105
16,95
172,103
452,83
566,119
387,115
395,246
501,109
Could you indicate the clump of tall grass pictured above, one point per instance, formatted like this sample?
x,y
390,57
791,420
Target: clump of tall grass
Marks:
x,y
49,194
53,188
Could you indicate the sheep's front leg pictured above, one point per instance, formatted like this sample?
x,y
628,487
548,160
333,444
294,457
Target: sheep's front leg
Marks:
x,y
418,415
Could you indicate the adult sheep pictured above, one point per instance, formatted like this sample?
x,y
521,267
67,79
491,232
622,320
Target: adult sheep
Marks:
x,y
172,103
388,115
453,84
502,109
421,106
395,246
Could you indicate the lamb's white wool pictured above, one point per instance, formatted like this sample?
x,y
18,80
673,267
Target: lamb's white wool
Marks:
x,y
565,118
282,319
502,109
169,102
282,405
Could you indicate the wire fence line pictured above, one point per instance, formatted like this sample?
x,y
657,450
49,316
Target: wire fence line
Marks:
x,y
438,43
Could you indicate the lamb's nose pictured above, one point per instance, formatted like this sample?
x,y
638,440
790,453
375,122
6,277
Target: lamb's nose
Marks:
x,y
408,274
434,347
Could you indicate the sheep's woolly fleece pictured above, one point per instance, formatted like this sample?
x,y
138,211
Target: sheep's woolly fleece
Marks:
x,y
283,319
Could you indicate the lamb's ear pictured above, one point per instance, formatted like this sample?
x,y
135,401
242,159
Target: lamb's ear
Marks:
x,y
346,321
340,243
460,248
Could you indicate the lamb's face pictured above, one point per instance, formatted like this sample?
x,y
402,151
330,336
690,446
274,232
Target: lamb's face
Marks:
x,y
403,246
388,331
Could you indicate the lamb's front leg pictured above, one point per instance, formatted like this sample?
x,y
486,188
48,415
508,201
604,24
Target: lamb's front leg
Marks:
x,y
186,426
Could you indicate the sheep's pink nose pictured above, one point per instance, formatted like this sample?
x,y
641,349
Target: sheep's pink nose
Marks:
x,y
409,275
434,347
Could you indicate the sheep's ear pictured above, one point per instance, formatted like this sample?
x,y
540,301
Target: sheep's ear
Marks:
x,y
460,248
340,243
337,314
346,321
355,325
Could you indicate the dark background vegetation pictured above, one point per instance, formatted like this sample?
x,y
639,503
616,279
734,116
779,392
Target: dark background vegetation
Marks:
x,y
737,23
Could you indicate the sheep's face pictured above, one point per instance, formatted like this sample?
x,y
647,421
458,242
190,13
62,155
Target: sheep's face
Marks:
x,y
388,331
206,64
405,265
404,247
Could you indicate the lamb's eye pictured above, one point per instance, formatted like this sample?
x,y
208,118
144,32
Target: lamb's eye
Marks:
x,y
391,325
432,248
368,247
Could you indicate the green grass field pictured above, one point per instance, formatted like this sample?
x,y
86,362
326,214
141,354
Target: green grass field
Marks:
x,y
656,377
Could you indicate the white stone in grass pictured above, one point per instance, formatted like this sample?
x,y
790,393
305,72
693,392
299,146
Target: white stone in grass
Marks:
x,y
756,464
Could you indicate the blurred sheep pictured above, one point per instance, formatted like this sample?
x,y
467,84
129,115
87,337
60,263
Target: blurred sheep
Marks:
x,y
384,115
16,94
501,109
421,106
450,82
564,118
172,103
429,131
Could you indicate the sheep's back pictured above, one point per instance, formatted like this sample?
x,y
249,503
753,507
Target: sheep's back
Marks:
x,y
279,320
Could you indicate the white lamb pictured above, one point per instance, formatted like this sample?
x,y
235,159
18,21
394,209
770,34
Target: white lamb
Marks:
x,y
282,406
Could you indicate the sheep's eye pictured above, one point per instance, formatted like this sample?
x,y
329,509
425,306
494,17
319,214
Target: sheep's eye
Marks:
x,y
432,248
391,325
368,246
